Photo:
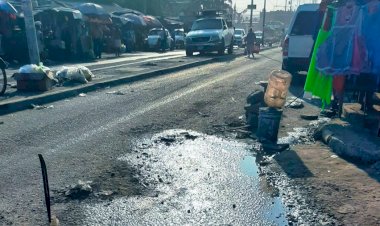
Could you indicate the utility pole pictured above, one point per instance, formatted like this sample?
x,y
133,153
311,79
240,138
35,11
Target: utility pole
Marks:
x,y
264,14
250,18
30,29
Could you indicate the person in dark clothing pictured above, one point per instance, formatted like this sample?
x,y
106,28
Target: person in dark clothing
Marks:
x,y
250,39
164,39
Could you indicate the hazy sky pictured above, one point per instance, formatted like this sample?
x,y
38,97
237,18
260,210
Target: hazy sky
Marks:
x,y
271,4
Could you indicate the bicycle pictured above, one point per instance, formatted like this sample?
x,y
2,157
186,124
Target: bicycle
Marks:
x,y
3,77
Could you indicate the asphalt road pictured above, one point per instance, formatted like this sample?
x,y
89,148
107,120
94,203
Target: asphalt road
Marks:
x,y
110,137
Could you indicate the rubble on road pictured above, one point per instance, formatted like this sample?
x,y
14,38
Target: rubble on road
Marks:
x,y
294,102
118,92
80,190
41,107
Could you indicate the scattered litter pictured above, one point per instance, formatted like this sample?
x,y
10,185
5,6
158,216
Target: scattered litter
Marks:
x,y
233,99
294,103
309,116
241,117
32,68
82,95
116,92
79,191
203,115
334,156
346,208
40,107
104,194
79,74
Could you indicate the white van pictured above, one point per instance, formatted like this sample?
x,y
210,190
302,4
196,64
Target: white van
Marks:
x,y
299,40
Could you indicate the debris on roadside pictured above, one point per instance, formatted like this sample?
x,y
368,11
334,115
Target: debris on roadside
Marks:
x,y
80,190
203,114
309,116
82,95
41,107
104,194
294,102
118,92
79,74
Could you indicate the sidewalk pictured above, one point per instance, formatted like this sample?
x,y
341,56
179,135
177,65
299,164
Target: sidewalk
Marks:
x,y
341,179
111,71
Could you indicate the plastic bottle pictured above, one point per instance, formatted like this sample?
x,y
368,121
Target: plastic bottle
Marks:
x,y
278,86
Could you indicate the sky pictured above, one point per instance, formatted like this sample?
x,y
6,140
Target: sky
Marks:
x,y
272,5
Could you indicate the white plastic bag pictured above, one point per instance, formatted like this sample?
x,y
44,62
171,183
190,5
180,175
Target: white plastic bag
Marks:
x,y
29,68
71,74
87,73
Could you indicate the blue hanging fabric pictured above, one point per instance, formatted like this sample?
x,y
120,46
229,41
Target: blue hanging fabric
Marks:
x,y
335,55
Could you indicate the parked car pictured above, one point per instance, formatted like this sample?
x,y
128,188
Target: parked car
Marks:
x,y
210,34
300,37
179,38
153,42
239,37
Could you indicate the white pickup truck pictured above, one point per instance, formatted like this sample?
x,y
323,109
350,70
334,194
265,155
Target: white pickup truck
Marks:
x,y
210,34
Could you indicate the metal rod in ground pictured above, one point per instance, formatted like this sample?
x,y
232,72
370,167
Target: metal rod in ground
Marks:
x,y
46,185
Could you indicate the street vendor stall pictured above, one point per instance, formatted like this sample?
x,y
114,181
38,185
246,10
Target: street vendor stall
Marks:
x,y
62,28
97,19
346,55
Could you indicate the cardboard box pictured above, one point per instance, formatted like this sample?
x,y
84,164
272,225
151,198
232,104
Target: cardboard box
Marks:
x,y
34,82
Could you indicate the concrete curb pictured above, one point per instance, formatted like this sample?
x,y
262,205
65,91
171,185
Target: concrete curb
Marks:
x,y
11,106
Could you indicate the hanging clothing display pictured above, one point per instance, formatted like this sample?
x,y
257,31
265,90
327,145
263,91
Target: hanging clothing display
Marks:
x,y
336,53
316,83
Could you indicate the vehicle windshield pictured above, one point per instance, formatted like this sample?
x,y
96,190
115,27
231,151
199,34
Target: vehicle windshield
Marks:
x,y
155,32
207,24
238,32
306,23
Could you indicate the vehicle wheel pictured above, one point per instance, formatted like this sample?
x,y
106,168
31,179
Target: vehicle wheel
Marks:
x,y
222,48
231,48
189,53
3,82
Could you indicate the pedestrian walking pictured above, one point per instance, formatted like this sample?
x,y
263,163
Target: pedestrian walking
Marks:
x,y
116,36
164,39
97,36
250,39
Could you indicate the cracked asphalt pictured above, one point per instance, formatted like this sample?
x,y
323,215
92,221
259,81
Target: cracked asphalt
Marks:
x,y
96,137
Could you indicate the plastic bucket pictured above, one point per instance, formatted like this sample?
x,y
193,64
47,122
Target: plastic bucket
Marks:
x,y
269,123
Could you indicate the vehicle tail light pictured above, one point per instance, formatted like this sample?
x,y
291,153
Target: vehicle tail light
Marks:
x,y
285,46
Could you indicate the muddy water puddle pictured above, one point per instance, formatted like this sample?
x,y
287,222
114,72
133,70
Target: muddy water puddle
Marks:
x,y
193,179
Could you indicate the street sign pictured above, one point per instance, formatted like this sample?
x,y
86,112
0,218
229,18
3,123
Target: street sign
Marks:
x,y
251,7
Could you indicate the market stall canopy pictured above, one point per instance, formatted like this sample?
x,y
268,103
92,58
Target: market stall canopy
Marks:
x,y
92,9
120,20
7,7
135,19
75,14
152,21
127,11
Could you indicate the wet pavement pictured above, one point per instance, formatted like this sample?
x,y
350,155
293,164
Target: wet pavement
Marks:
x,y
196,179
96,137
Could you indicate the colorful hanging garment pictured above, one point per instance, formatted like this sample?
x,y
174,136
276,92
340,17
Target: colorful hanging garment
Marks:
x,y
316,83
